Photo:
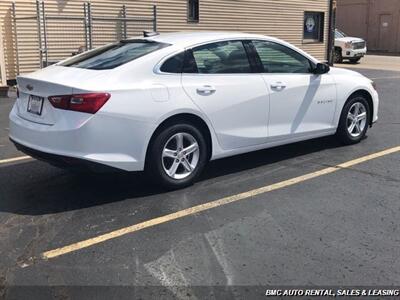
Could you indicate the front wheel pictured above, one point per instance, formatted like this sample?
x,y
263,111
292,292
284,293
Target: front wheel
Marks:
x,y
337,56
177,156
353,124
354,60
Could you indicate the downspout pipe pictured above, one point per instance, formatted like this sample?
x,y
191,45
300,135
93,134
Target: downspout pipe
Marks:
x,y
331,33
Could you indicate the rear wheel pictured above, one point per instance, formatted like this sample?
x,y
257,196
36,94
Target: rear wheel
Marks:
x,y
337,56
177,156
353,123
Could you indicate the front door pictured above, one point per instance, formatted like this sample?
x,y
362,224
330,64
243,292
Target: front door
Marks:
x,y
221,83
300,101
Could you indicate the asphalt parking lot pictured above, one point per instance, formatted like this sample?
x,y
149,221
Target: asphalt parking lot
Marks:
x,y
337,228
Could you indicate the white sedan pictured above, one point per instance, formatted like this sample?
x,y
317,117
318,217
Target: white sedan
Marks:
x,y
169,103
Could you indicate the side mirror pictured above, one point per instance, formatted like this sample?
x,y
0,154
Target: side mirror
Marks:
x,y
321,69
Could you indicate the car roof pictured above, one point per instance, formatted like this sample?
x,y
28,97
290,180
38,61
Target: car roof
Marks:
x,y
189,38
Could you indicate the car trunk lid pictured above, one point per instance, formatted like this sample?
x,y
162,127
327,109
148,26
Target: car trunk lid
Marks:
x,y
35,88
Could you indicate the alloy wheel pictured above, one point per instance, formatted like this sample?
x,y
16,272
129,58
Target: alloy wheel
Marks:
x,y
356,119
180,155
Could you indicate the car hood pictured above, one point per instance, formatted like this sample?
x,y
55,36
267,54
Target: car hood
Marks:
x,y
349,39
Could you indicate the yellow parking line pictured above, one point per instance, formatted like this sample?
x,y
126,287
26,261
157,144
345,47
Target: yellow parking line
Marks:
x,y
14,159
207,206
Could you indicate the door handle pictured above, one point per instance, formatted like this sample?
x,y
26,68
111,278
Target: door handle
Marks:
x,y
206,90
279,86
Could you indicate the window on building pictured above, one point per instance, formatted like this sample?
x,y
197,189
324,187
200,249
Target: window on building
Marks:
x,y
193,11
277,58
313,31
219,58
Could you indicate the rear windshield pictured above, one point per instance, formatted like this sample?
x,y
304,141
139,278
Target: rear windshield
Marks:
x,y
114,55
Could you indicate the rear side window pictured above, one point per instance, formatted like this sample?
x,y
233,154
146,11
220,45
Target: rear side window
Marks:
x,y
276,58
173,64
219,58
114,55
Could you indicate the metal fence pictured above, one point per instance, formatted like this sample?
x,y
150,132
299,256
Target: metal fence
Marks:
x,y
47,36
3,80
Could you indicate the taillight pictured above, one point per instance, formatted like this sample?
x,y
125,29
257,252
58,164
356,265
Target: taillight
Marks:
x,y
17,92
88,103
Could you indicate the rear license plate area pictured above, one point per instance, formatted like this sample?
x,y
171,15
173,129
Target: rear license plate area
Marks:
x,y
35,105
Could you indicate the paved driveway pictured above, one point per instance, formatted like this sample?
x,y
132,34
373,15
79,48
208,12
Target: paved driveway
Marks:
x,y
375,62
117,235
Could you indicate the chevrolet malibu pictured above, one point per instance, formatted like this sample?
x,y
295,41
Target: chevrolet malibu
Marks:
x,y
169,103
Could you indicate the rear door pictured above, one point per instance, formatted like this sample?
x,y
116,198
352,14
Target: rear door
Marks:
x,y
300,102
219,79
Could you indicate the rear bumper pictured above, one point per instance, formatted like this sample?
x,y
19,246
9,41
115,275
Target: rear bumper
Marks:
x,y
65,162
115,142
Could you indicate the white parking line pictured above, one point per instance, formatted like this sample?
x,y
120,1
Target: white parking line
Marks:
x,y
14,159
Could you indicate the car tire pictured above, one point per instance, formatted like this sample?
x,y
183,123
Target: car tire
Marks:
x,y
354,120
354,60
337,56
167,162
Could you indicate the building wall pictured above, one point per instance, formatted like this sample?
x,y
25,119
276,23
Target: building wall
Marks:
x,y
377,21
280,18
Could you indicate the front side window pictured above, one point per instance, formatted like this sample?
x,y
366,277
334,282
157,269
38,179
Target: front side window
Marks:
x,y
276,58
193,11
313,28
114,55
219,58
339,34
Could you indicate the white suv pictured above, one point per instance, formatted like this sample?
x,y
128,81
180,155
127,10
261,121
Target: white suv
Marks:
x,y
347,47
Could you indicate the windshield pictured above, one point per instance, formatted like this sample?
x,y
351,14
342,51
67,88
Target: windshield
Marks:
x,y
114,55
339,34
